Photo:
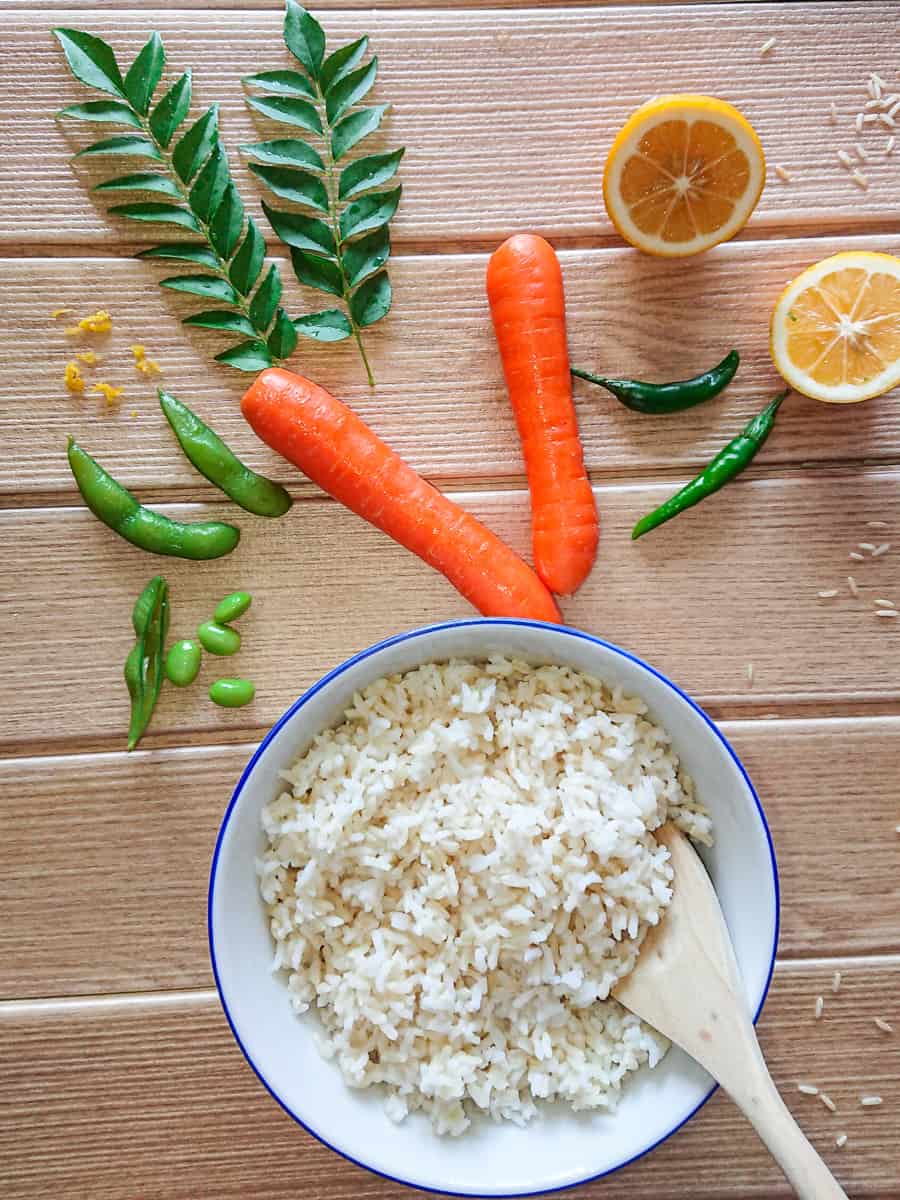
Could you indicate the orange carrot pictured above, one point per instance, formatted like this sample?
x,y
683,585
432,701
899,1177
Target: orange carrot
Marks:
x,y
340,453
525,291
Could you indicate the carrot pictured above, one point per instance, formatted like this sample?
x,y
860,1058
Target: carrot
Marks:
x,y
339,452
525,291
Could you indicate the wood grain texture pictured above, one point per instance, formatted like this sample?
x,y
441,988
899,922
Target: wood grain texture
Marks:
x,y
150,1098
278,5
501,132
440,401
732,582
132,835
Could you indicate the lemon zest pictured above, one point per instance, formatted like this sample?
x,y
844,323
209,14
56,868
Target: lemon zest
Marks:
x,y
73,378
89,357
110,394
98,322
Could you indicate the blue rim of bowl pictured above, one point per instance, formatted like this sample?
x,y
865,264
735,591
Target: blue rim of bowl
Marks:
x,y
409,635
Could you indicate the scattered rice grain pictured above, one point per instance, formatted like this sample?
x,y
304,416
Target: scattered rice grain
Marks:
x,y
784,175
820,1007
768,45
889,145
861,152
836,982
859,122
883,1025
870,119
866,545
870,104
841,1141
828,1102
870,1101
875,85
887,119
856,556
895,108
807,1089
882,549
879,82
886,612
877,524
833,113
852,584
846,160
860,180
880,602
828,593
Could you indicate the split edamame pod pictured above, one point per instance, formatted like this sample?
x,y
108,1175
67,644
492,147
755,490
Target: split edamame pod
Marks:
x,y
183,662
221,466
232,693
219,639
144,664
232,607
117,508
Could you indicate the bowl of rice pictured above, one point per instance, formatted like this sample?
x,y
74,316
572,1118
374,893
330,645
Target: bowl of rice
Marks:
x,y
431,876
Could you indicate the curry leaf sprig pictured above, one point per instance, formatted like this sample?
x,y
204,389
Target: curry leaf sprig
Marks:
x,y
342,248
193,191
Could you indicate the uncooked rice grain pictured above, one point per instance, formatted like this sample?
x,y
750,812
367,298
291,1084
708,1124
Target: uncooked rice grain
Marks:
x,y
782,173
888,120
767,45
870,1101
866,545
847,161
459,873
853,586
828,1102
861,181
859,122
836,982
856,556
840,1141
877,524
882,549
883,1025
808,1089
820,1006
833,113
887,612
861,152
880,602
827,593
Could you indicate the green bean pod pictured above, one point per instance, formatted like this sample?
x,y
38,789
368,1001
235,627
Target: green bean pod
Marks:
x,y
668,397
117,508
729,462
144,666
209,454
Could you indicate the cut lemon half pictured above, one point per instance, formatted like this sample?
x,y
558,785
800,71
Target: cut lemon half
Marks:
x,y
684,174
835,331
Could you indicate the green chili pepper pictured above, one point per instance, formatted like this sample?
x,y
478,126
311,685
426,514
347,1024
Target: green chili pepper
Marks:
x,y
212,458
144,665
668,397
116,507
728,463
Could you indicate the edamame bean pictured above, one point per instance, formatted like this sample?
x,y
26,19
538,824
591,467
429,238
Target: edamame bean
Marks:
x,y
219,639
232,607
232,693
183,662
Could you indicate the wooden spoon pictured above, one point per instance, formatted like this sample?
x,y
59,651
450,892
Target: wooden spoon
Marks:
x,y
686,985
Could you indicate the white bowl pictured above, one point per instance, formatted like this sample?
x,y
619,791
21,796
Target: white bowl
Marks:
x,y
559,1148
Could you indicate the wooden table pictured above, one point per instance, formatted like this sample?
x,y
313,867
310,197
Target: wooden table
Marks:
x,y
119,1076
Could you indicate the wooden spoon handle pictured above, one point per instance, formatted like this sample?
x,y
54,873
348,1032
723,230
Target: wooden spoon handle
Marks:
x,y
760,1102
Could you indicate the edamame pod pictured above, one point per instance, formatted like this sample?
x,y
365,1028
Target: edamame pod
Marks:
x,y
221,466
144,664
232,693
232,607
219,639
117,508
183,662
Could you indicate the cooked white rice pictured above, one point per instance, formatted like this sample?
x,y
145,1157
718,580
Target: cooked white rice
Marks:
x,y
460,873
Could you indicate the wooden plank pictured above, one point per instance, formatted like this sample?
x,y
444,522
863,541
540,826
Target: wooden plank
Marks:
x,y
501,132
152,1093
226,5
748,563
440,400
132,835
